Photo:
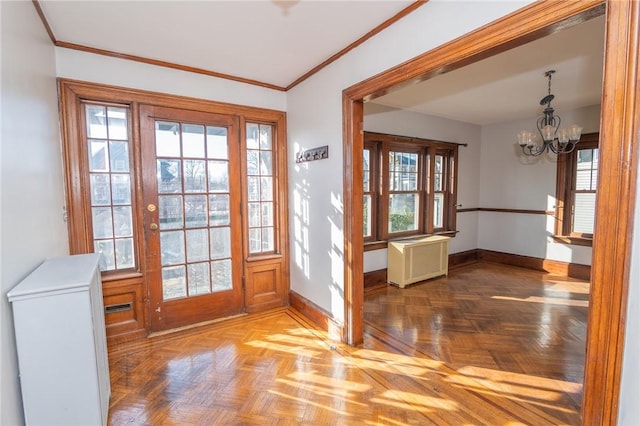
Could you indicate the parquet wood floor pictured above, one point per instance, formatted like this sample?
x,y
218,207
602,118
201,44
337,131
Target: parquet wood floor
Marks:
x,y
517,331
276,368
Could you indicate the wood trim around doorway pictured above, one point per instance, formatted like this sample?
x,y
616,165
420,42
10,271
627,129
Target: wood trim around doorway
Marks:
x,y
616,193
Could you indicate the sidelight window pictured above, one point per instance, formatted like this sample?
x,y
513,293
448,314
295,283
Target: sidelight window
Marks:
x,y
370,181
260,188
108,147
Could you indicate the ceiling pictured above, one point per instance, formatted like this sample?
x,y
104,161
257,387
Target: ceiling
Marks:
x,y
509,86
276,42
270,41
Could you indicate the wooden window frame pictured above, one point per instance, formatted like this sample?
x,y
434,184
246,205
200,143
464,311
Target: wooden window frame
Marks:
x,y
380,145
274,190
565,188
449,189
280,182
386,192
374,190
85,167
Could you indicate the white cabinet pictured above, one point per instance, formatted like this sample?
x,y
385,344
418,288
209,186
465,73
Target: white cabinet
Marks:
x,y
61,341
413,260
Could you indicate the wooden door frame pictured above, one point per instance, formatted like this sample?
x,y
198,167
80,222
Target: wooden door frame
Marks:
x,y
214,305
71,93
616,188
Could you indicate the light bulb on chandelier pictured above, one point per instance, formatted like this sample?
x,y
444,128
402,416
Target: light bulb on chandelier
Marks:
x,y
554,139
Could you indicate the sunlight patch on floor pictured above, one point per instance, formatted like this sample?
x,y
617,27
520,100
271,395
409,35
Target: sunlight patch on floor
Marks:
x,y
407,370
385,421
421,400
401,405
396,359
510,388
535,390
567,286
301,341
309,402
322,390
547,300
283,348
307,332
479,389
521,379
313,377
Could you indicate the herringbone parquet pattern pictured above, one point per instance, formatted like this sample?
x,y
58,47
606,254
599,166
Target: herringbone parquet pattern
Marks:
x,y
277,369
521,328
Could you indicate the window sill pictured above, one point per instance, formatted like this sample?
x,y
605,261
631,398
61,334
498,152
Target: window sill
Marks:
x,y
262,257
382,244
576,241
119,275
375,245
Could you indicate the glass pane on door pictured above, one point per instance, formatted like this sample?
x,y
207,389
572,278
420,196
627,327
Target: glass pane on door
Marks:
x,y
193,209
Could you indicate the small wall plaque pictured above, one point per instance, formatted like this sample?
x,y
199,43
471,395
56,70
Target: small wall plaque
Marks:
x,y
312,154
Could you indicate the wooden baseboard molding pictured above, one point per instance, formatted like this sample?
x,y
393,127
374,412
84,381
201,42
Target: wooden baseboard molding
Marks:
x,y
317,315
573,270
375,278
457,260
126,337
463,258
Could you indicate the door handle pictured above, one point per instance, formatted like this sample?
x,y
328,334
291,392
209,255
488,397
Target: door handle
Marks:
x,y
153,226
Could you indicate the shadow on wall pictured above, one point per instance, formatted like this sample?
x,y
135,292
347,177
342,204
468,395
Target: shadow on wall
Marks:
x,y
301,225
318,226
336,253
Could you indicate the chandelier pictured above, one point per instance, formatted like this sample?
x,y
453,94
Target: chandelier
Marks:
x,y
554,139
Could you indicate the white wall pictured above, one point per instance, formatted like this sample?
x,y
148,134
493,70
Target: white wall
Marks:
x,y
84,66
32,194
315,119
510,180
629,411
381,119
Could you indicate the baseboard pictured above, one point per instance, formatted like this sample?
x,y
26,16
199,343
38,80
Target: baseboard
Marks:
x,y
126,337
375,278
463,258
573,270
317,315
456,260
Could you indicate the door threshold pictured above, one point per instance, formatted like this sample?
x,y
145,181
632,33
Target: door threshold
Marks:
x,y
196,325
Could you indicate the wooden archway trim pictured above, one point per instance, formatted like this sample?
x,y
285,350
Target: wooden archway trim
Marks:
x,y
616,190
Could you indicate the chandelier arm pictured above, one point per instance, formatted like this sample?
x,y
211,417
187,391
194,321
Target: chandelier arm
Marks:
x,y
533,152
539,125
557,148
571,147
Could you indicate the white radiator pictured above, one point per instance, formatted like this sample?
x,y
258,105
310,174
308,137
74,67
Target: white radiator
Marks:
x,y
410,261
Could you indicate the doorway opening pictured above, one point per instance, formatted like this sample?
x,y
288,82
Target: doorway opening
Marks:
x,y
612,244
